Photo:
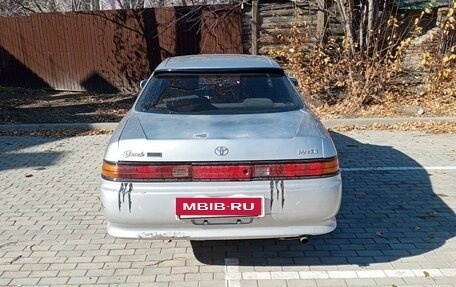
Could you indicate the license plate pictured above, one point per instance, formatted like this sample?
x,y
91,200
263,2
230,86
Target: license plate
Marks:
x,y
197,207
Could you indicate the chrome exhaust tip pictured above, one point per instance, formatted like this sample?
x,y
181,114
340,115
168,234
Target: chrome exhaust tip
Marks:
x,y
303,239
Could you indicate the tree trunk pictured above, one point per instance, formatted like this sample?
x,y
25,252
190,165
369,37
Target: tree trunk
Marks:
x,y
371,20
322,20
362,24
346,10
95,4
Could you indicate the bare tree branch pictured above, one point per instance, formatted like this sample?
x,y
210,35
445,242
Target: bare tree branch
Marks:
x,y
38,6
24,6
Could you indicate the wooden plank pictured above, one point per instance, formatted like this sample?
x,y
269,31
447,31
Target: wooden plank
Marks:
x,y
286,30
289,12
299,21
267,49
270,39
289,5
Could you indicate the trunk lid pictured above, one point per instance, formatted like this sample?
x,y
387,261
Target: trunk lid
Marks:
x,y
169,126
220,138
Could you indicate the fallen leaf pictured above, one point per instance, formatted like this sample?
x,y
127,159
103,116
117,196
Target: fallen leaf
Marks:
x,y
426,274
433,127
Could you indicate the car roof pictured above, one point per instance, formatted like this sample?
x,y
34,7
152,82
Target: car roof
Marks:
x,y
217,62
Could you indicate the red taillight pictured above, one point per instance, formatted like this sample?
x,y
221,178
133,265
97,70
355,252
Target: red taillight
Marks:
x,y
296,169
155,171
200,172
235,172
124,171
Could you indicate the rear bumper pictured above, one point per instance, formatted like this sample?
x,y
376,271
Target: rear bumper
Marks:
x,y
292,208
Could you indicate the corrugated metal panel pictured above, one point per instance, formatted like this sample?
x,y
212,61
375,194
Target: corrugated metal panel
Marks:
x,y
217,38
109,50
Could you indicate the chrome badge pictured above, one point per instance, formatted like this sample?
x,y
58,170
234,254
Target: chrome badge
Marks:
x,y
221,150
308,151
130,153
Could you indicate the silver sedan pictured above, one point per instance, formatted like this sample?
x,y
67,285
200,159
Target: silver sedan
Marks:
x,y
220,147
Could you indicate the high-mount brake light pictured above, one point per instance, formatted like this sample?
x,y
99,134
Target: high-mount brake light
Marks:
x,y
221,172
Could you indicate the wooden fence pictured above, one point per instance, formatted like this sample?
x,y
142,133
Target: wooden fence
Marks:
x,y
263,21
110,51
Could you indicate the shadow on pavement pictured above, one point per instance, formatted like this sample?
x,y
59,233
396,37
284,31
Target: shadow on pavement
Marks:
x,y
385,216
13,156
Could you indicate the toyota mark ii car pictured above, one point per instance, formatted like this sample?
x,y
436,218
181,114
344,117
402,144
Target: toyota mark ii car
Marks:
x,y
220,147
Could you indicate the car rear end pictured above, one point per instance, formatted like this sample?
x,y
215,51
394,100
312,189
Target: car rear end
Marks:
x,y
209,172
286,208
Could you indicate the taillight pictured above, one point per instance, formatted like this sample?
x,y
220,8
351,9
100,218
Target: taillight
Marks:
x,y
234,172
201,172
296,169
144,172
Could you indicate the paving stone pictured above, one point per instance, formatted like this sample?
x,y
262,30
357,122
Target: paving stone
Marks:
x,y
184,284
272,283
221,283
53,280
303,283
389,221
198,276
154,284
24,281
111,279
15,274
169,278
141,278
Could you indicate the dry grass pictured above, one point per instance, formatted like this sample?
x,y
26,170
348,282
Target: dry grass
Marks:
x,y
391,105
432,127
338,83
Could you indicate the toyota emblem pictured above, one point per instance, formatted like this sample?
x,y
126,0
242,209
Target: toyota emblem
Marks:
x,y
221,150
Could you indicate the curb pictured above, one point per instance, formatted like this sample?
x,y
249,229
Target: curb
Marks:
x,y
330,123
59,126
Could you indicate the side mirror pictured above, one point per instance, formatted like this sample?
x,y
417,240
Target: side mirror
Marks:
x,y
294,81
142,84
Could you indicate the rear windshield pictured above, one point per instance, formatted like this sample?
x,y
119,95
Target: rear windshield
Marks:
x,y
218,93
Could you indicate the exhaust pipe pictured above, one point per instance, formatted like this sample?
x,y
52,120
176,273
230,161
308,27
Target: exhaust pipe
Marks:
x,y
303,239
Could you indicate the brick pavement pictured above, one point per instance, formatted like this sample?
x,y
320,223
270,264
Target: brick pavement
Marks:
x,y
396,227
